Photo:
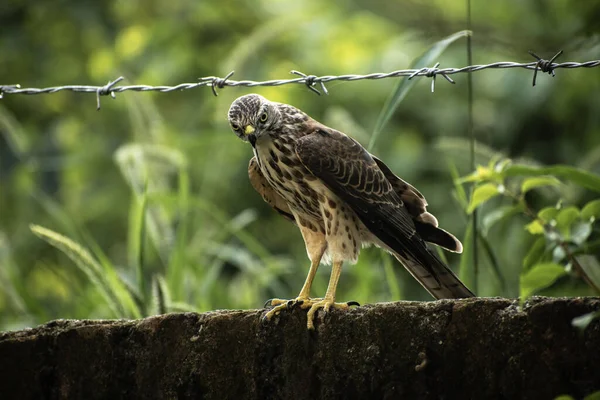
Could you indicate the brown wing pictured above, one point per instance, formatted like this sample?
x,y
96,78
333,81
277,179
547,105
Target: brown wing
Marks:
x,y
260,184
425,223
350,172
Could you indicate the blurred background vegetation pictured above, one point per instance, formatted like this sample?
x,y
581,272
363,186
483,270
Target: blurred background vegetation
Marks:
x,y
149,199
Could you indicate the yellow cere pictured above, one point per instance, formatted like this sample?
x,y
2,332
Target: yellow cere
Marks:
x,y
248,129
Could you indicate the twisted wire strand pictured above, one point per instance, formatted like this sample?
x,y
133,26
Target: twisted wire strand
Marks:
x,y
310,81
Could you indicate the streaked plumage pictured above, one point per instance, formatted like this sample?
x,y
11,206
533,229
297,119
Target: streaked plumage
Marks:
x,y
340,196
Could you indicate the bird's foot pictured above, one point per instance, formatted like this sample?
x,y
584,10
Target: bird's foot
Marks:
x,y
283,304
305,303
326,305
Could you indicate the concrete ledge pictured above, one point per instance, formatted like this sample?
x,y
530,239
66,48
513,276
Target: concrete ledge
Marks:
x,y
477,348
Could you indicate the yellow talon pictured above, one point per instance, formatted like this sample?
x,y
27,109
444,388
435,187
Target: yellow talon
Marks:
x,y
326,305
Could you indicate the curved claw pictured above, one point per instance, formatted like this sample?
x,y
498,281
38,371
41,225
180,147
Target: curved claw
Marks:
x,y
267,303
353,303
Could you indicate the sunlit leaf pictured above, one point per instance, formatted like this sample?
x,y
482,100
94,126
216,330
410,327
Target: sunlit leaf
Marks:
x,y
535,227
538,181
482,194
547,214
538,277
591,210
565,218
403,87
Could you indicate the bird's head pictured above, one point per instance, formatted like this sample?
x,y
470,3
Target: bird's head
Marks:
x,y
251,116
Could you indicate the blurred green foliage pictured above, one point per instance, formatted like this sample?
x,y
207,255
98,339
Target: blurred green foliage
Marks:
x,y
149,200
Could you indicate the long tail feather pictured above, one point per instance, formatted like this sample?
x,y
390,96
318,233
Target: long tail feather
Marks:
x,y
437,278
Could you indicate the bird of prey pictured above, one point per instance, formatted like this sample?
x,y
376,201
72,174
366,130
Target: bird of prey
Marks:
x,y
341,197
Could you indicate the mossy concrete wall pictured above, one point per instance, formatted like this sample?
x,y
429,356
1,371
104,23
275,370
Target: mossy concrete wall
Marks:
x,y
464,349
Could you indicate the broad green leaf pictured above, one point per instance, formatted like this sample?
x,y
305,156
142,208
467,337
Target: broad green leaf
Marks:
x,y
591,210
531,183
535,253
403,87
576,175
539,277
498,214
482,194
584,320
591,267
547,214
580,231
535,227
564,397
565,218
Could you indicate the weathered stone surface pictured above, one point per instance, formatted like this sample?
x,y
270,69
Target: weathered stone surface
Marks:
x,y
467,349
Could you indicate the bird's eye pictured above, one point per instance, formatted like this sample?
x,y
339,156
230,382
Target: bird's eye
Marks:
x,y
235,127
263,117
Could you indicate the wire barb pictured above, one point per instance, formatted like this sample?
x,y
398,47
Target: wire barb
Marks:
x,y
106,90
219,83
544,65
431,73
310,81
5,88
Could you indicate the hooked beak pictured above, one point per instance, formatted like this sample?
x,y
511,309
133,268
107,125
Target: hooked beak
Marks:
x,y
248,129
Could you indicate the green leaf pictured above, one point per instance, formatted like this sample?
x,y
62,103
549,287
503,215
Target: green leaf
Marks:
x,y
564,397
593,396
466,271
535,227
591,267
591,210
404,86
538,277
547,214
482,194
584,320
538,181
535,253
497,215
459,190
576,175
114,292
565,218
580,231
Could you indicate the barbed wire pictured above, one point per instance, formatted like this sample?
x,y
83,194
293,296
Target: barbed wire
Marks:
x,y
214,82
